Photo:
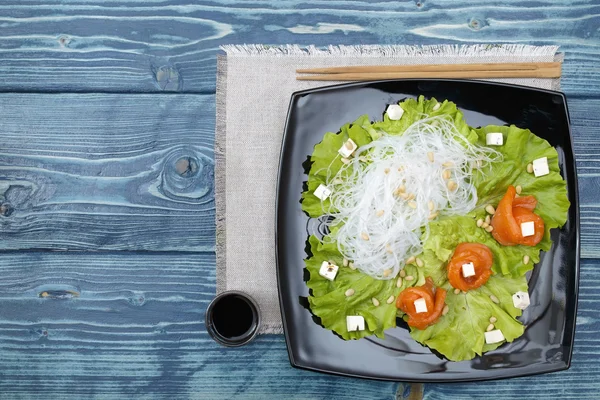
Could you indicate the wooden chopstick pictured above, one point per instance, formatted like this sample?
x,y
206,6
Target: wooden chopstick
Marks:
x,y
540,73
431,68
475,71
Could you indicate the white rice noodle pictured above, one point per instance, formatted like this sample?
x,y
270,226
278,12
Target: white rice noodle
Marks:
x,y
377,227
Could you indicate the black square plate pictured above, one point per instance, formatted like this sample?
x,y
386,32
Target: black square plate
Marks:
x,y
548,340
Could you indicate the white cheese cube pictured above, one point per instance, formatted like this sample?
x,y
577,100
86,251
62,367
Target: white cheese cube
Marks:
x,y
494,336
347,148
521,300
355,323
328,271
420,306
527,229
468,270
322,192
494,139
540,167
394,112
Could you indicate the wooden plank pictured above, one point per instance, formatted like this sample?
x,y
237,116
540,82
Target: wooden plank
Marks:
x,y
152,46
99,171
586,131
136,328
107,172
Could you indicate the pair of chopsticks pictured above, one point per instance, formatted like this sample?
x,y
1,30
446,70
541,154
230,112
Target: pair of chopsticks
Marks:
x,y
377,72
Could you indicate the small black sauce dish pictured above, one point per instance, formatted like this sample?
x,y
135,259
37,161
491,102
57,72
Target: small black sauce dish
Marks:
x,y
233,318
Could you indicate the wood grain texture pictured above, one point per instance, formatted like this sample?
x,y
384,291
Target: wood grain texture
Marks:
x,y
586,142
150,45
134,172
107,172
136,328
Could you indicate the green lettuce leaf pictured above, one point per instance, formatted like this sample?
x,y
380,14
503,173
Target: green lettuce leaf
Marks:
x,y
420,108
467,316
326,161
459,335
329,302
520,148
447,232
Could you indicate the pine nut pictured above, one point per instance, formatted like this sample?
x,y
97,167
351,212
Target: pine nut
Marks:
x,y
489,229
456,291
485,225
519,189
364,236
391,299
412,204
419,262
490,209
488,219
402,188
402,273
452,185
493,320
410,260
525,259
345,262
430,156
349,292
404,196
411,196
351,265
489,328
494,299
386,171
399,282
345,160
445,310
530,168
375,302
409,278
433,215
479,222
448,164
446,174
387,272
431,205
379,213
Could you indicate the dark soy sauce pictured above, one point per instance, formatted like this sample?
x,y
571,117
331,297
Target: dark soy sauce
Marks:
x,y
233,317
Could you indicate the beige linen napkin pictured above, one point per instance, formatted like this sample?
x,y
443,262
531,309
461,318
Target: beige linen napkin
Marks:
x,y
254,84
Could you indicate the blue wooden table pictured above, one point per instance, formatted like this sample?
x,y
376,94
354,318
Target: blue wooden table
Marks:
x,y
107,258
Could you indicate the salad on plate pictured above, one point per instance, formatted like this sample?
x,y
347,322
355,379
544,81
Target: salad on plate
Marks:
x,y
431,221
